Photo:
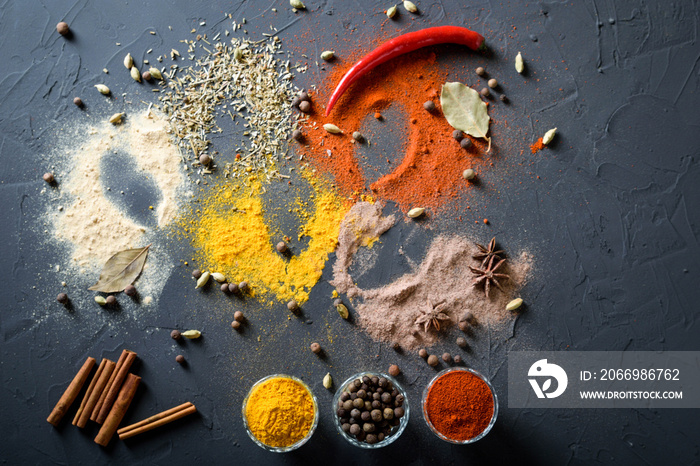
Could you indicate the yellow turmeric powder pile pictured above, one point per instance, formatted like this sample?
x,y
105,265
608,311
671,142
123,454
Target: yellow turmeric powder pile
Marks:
x,y
230,235
280,412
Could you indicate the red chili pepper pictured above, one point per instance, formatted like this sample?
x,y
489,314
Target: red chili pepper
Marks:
x,y
404,44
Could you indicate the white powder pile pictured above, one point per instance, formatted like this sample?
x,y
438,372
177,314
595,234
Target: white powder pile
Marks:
x,y
93,225
84,218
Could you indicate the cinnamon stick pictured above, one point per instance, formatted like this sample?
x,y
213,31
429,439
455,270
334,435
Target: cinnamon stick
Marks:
x,y
113,391
157,420
71,392
89,391
103,395
126,394
95,395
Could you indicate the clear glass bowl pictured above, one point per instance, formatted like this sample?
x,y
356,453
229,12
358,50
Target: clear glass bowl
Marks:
x,y
493,416
298,443
395,433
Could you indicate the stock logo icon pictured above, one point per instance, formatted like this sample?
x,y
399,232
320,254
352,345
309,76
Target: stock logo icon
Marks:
x,y
544,372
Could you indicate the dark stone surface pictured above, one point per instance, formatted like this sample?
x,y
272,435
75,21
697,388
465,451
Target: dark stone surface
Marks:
x,y
610,213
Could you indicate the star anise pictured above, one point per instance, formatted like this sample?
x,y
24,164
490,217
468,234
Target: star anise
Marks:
x,y
432,316
486,253
488,275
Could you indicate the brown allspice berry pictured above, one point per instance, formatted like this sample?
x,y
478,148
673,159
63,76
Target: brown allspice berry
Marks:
x,y
305,106
423,353
130,290
394,370
429,106
238,316
196,273
281,247
235,325
433,360
315,348
62,298
233,288
447,357
463,326
48,177
224,288
293,306
176,335
180,359
458,359
111,300
63,28
147,76
493,84
461,342
480,71
297,135
78,102
243,286
485,92
205,159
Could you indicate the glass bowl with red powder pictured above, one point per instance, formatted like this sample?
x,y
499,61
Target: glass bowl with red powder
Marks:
x,y
460,405
396,428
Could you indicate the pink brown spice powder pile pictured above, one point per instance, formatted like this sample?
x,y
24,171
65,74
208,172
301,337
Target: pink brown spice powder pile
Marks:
x,y
389,313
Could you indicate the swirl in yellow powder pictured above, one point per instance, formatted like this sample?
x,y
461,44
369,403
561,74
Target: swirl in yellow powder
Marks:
x,y
280,412
231,235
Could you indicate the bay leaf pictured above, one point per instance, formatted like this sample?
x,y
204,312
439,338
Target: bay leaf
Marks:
x,y
465,111
121,270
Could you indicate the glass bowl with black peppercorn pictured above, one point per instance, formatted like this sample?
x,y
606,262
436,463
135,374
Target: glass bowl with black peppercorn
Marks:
x,y
370,410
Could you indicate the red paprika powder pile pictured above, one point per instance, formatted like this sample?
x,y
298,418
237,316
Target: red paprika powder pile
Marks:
x,y
427,170
459,405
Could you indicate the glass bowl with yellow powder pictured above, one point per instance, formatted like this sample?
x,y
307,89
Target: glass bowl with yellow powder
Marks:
x,y
370,387
280,413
